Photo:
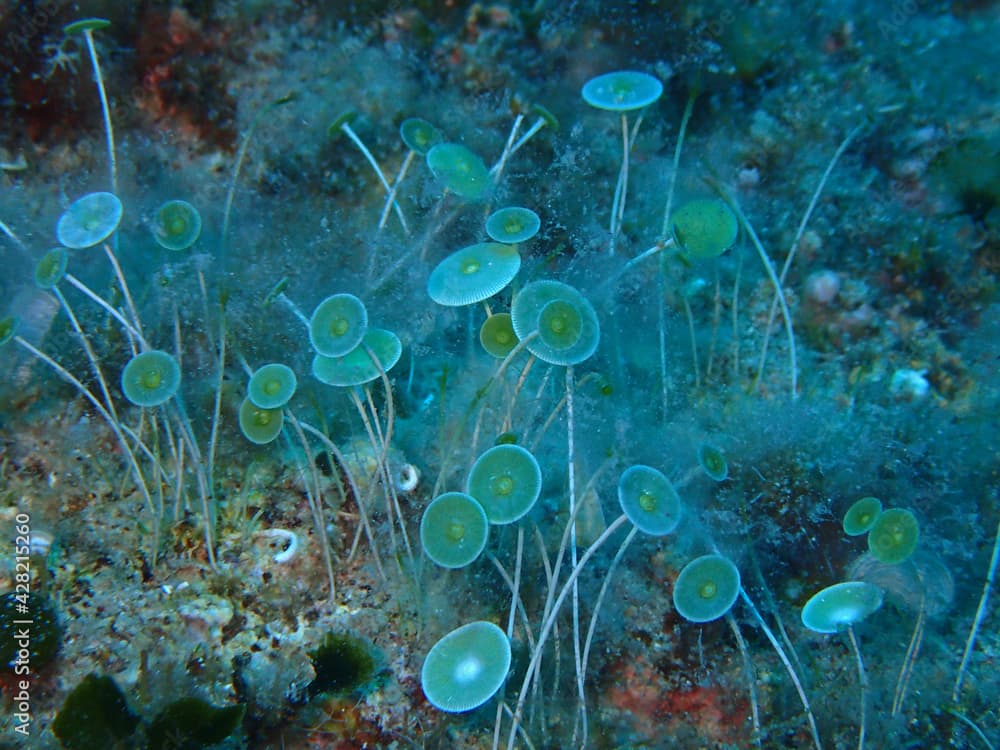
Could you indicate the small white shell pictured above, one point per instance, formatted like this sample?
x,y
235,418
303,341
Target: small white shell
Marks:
x,y
408,479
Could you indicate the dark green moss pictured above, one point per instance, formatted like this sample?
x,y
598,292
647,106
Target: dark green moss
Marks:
x,y
192,724
44,633
94,715
344,664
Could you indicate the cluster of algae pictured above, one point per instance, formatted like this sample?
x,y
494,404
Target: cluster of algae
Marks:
x,y
545,343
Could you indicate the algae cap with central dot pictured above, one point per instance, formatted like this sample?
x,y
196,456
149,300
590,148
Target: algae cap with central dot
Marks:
x,y
453,530
419,135
713,462
176,225
513,224
506,480
841,605
258,425
704,228
338,324
862,515
706,588
272,386
151,378
649,500
51,268
473,274
622,91
89,220
894,535
358,367
497,335
466,667
567,328
459,170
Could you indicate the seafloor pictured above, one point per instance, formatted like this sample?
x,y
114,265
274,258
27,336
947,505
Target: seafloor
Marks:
x,y
186,586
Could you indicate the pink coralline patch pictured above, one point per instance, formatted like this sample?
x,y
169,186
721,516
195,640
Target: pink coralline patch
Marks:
x,y
654,708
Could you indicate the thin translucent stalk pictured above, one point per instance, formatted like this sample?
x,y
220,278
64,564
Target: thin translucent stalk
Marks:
x,y
112,423
130,329
813,730
863,681
977,622
315,498
497,169
105,109
549,621
751,680
390,199
342,463
349,132
125,291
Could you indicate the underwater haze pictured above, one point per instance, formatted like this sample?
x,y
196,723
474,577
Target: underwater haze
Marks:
x,y
482,375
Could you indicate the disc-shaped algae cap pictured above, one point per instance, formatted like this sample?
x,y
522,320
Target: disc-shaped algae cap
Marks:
x,y
259,425
861,516
513,224
713,462
706,588
89,220
568,331
459,170
176,225
465,669
649,500
356,367
473,274
497,335
453,530
622,91
840,605
338,324
894,535
272,386
419,135
51,268
151,378
704,228
506,480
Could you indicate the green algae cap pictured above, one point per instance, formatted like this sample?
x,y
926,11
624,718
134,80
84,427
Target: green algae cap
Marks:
x,y
459,170
894,535
704,228
8,327
497,335
453,530
51,268
259,425
513,224
506,480
89,220
419,135
862,515
841,605
567,326
649,500
338,325
176,225
357,366
473,274
706,588
272,386
151,378
86,24
466,667
713,462
621,91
